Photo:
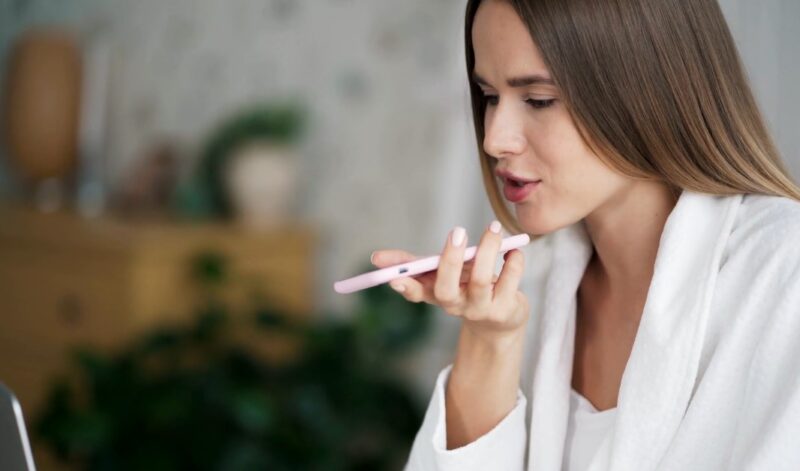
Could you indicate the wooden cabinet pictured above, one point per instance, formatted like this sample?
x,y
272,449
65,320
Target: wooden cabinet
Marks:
x,y
66,281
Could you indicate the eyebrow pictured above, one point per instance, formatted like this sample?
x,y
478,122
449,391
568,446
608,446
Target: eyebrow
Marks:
x,y
517,82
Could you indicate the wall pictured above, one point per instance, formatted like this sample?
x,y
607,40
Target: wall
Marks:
x,y
391,160
767,33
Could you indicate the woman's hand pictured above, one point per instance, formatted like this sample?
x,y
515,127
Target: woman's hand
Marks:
x,y
492,307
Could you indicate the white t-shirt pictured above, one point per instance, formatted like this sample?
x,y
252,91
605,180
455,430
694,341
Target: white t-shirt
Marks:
x,y
586,430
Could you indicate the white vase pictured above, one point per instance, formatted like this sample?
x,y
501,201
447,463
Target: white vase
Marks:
x,y
261,180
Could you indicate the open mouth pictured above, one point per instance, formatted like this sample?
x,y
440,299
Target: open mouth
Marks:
x,y
516,191
517,183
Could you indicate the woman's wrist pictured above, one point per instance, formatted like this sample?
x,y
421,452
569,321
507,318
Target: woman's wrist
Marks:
x,y
482,387
490,343
482,363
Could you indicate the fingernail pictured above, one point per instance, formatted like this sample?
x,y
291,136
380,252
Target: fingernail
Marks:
x,y
457,236
495,227
397,287
372,257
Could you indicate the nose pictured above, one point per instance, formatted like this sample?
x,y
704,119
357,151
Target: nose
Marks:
x,y
503,132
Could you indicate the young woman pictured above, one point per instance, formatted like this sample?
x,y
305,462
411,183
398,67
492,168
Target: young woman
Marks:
x,y
625,132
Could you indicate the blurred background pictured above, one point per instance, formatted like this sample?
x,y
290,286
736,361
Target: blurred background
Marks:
x,y
182,181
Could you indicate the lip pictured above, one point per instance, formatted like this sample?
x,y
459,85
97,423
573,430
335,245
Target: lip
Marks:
x,y
505,174
517,194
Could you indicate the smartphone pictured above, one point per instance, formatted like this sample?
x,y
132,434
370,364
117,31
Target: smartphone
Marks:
x,y
416,267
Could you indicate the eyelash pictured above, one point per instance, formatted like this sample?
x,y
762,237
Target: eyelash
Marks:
x,y
535,104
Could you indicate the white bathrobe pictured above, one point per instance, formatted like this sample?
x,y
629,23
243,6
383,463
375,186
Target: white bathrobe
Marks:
x,y
713,379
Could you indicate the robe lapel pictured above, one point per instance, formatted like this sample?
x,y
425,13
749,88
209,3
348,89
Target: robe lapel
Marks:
x,y
552,374
659,377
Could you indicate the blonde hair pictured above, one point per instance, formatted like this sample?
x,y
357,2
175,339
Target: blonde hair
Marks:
x,y
656,89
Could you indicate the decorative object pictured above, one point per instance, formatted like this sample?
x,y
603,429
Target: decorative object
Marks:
x,y
280,124
261,179
91,186
42,111
148,186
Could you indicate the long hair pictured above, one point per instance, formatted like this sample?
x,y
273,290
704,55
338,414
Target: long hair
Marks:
x,y
656,89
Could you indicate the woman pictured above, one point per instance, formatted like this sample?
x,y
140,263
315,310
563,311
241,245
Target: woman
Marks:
x,y
668,333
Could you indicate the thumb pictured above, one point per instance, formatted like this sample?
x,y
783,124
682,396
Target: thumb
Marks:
x,y
387,258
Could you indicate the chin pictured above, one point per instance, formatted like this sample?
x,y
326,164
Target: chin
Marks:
x,y
538,224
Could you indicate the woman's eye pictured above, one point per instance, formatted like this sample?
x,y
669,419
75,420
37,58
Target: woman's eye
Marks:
x,y
538,104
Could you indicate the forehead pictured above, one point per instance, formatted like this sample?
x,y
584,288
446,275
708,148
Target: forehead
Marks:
x,y
502,43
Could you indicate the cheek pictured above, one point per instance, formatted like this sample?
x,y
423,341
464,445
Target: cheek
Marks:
x,y
573,176
561,152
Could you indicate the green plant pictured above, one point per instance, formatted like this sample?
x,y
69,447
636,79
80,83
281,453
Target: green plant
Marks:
x,y
190,398
280,122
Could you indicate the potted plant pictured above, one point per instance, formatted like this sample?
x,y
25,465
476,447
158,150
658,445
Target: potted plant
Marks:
x,y
248,167
189,398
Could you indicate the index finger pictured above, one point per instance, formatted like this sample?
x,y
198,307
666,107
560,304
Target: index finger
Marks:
x,y
447,287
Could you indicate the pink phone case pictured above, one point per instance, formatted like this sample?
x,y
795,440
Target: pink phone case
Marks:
x,y
385,275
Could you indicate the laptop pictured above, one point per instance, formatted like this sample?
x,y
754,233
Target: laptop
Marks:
x,y
15,449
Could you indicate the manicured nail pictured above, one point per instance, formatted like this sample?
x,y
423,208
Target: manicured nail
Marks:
x,y
372,257
397,287
495,227
457,236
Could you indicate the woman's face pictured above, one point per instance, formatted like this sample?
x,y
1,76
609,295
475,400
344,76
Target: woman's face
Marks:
x,y
528,129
